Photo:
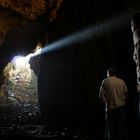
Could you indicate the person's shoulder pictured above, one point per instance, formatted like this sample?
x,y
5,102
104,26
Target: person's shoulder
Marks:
x,y
105,80
120,79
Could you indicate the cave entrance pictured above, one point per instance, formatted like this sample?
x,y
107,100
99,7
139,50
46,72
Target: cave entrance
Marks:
x,y
20,82
19,91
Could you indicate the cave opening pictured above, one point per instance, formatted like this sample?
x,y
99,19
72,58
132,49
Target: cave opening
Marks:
x,y
19,91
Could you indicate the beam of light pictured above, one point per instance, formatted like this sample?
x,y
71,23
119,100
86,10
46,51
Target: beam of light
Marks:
x,y
87,33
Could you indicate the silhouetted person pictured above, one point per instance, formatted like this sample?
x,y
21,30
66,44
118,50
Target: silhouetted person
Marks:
x,y
135,27
114,92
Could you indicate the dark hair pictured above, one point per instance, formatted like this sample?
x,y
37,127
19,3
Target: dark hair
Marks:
x,y
135,20
112,71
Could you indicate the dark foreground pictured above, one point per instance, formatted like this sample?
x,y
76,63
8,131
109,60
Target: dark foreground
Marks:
x,y
25,122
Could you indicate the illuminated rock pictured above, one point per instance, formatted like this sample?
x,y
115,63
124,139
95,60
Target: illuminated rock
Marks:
x,y
20,85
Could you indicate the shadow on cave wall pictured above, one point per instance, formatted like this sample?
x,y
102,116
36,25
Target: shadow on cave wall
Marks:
x,y
69,78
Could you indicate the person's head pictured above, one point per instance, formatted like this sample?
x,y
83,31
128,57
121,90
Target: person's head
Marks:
x,y
111,72
135,22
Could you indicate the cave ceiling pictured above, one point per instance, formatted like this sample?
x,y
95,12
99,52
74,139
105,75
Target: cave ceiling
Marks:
x,y
22,24
16,13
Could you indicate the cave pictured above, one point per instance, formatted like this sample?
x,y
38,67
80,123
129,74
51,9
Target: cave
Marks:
x,y
62,99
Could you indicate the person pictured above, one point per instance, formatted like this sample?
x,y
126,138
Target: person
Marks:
x,y
135,27
114,93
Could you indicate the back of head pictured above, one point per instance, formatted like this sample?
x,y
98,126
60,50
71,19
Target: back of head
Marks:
x,y
135,21
112,71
